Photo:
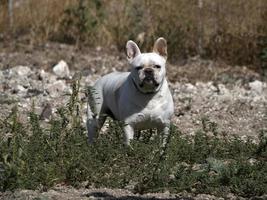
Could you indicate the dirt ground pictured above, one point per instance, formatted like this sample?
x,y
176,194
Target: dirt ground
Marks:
x,y
69,193
233,98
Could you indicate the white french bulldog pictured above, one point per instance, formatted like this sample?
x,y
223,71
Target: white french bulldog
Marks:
x,y
141,99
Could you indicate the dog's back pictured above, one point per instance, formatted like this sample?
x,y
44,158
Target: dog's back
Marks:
x,y
108,88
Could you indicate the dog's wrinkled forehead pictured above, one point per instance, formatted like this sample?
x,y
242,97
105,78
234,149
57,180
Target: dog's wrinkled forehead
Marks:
x,y
146,59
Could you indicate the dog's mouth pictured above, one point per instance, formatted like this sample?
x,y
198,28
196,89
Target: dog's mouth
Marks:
x,y
149,81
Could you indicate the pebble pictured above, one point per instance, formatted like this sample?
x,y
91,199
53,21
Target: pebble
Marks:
x,y
62,69
21,70
256,86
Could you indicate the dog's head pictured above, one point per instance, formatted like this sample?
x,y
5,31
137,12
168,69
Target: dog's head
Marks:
x,y
148,69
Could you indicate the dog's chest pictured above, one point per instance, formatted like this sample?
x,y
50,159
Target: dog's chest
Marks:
x,y
148,115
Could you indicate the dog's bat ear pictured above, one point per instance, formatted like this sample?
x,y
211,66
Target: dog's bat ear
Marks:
x,y
132,50
160,47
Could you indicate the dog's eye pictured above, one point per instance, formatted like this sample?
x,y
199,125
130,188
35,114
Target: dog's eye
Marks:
x,y
157,66
139,68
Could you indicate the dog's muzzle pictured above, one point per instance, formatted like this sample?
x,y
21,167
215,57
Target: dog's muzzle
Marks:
x,y
149,79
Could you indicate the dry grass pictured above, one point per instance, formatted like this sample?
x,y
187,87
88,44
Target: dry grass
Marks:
x,y
234,31
40,19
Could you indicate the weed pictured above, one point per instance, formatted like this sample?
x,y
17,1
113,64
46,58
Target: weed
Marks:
x,y
35,157
81,21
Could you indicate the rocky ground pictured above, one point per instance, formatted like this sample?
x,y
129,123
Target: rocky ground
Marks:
x,y
69,193
233,98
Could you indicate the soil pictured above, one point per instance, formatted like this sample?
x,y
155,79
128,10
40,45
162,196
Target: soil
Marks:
x,y
65,192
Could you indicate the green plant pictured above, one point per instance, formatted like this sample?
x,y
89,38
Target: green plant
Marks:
x,y
34,155
81,21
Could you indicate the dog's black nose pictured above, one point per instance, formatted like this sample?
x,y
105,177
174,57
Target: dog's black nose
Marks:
x,y
149,71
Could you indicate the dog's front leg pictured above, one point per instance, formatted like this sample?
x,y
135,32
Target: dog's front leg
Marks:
x,y
165,131
128,134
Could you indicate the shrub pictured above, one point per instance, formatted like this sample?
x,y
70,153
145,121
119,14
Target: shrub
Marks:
x,y
36,156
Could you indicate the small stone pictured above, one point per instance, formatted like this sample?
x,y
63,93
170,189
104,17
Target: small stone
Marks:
x,y
256,86
43,75
244,138
98,48
46,77
196,167
62,69
172,176
223,90
252,161
19,89
190,88
46,112
211,87
21,70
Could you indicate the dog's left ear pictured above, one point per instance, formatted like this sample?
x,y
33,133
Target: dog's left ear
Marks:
x,y
160,47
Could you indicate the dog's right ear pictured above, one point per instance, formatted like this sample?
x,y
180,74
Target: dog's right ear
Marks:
x,y
132,50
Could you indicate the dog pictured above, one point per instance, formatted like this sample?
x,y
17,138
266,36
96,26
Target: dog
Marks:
x,y
140,99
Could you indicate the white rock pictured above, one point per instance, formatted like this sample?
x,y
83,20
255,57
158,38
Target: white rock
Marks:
x,y
21,70
43,74
190,88
223,90
256,86
20,89
212,87
200,85
62,69
47,77
252,161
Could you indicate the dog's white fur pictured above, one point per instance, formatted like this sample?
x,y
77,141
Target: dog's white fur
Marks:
x,y
141,99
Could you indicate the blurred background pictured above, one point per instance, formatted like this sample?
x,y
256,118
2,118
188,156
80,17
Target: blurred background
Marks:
x,y
232,31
